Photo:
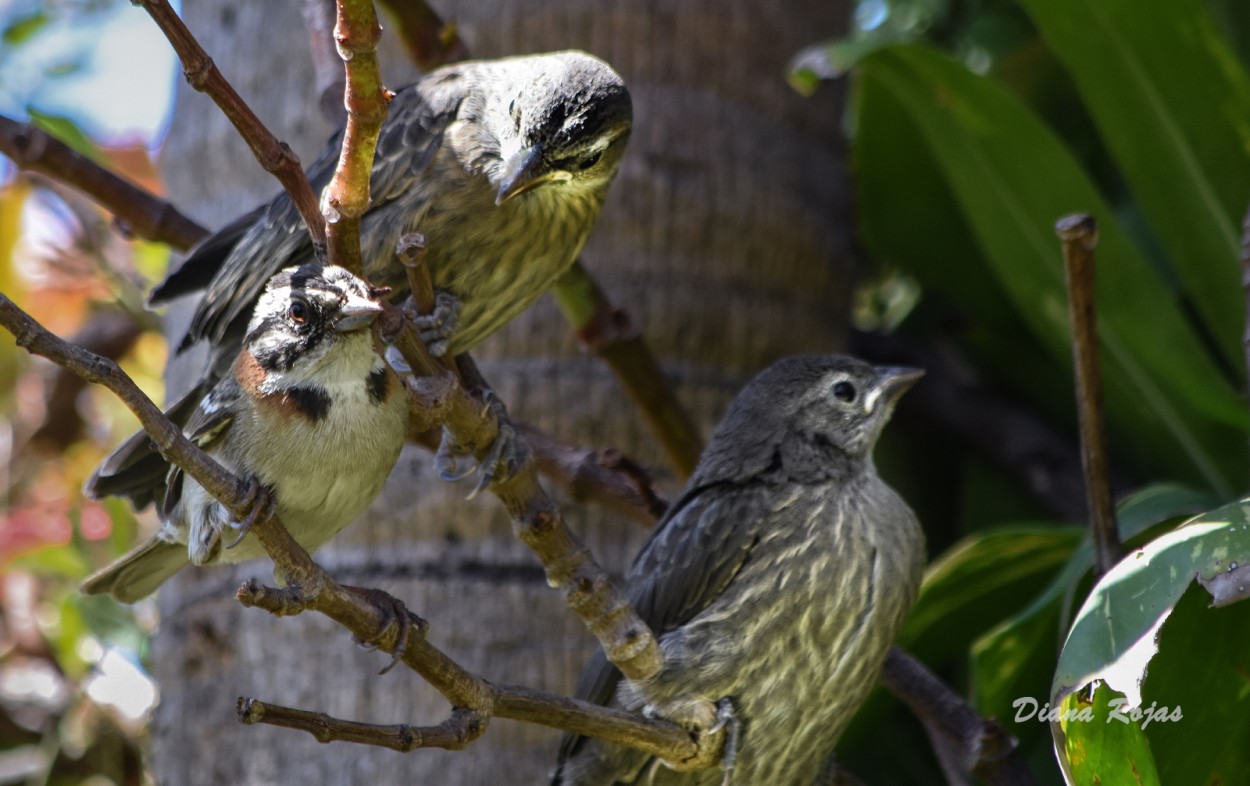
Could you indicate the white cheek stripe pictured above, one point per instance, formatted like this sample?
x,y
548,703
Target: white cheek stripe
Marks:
x,y
870,399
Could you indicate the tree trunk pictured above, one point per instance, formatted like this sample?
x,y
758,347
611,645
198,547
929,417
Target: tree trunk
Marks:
x,y
724,237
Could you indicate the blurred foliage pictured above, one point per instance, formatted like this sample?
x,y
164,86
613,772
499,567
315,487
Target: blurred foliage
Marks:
x,y
975,125
74,696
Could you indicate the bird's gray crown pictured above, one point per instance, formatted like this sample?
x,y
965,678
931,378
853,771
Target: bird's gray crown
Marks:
x,y
805,416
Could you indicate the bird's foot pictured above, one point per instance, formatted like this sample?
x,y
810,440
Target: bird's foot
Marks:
x,y
395,616
504,456
436,328
260,506
714,728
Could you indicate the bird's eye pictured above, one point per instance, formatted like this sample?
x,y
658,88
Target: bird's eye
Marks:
x,y
589,161
844,391
298,312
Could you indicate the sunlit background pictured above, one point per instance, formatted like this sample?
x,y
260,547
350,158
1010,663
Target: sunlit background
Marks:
x,y
74,693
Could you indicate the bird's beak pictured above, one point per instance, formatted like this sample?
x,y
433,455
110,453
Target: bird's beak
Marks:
x,y
356,314
523,171
892,382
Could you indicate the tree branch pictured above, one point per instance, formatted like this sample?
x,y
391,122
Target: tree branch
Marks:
x,y
1079,235
605,476
981,747
135,210
356,33
429,41
274,156
455,733
374,617
1245,281
626,639
609,333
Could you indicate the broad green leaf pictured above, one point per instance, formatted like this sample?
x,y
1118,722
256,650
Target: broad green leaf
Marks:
x,y
1016,658
1115,633
981,580
1094,747
1202,672
900,185
1173,106
1011,179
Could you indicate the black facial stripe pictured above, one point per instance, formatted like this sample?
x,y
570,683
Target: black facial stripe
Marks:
x,y
378,383
313,403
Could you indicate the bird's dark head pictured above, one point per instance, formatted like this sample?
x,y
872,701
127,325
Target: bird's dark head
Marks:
x,y
805,413
568,118
306,317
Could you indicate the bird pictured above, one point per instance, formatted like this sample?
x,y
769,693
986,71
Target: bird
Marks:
x,y
310,414
775,584
502,165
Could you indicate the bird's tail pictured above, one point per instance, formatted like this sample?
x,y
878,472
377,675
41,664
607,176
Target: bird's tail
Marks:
x,y
138,572
197,271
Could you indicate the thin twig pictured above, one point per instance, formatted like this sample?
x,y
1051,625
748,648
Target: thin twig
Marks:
x,y
609,333
455,733
982,746
274,156
356,33
430,41
136,211
1079,236
605,476
652,736
1245,281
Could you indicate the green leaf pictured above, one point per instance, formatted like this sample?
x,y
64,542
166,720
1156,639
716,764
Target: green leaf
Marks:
x,y
1010,179
65,130
981,580
20,30
1114,636
1094,747
1016,658
1202,670
1177,121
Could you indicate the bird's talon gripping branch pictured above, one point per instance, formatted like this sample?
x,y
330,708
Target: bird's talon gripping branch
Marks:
x,y
261,505
439,326
396,615
503,458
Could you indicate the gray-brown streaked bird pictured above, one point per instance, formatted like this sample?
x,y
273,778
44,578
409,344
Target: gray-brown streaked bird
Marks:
x,y
502,165
310,412
775,584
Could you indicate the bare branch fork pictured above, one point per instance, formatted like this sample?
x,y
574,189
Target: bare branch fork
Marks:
x,y
372,616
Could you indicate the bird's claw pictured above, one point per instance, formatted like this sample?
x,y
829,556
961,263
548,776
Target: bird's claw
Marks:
x,y
727,719
260,506
437,328
503,458
396,614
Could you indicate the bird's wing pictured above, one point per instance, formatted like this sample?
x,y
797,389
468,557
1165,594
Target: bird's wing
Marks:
x,y
695,551
234,264
208,424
